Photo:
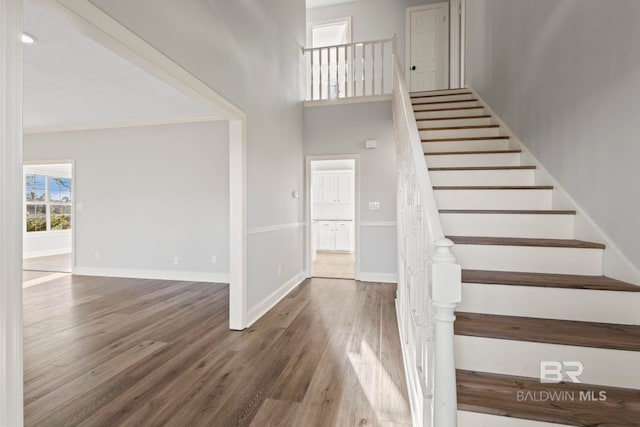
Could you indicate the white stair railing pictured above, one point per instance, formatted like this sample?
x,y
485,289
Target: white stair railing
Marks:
x,y
349,70
429,280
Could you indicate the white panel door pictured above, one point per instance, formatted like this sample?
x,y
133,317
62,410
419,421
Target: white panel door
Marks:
x,y
429,47
345,187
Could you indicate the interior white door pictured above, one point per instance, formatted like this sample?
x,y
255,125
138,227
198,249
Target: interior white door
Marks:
x,y
429,48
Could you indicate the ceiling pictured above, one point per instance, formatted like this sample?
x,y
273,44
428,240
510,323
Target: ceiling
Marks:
x,y
320,3
71,81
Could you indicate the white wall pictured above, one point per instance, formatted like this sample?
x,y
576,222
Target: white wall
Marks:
x,y
250,52
145,195
565,77
343,129
372,19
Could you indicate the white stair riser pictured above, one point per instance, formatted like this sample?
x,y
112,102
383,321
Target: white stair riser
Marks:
x,y
530,259
476,419
494,199
449,113
465,160
452,97
458,133
454,122
434,105
552,303
439,92
508,225
616,368
486,145
483,177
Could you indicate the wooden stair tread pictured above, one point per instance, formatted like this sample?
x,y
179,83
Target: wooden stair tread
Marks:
x,y
485,116
506,211
443,153
521,241
447,109
481,168
551,331
497,394
472,138
493,187
547,280
460,127
445,102
441,94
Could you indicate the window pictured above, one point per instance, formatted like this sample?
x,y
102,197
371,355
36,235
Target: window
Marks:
x,y
48,203
329,33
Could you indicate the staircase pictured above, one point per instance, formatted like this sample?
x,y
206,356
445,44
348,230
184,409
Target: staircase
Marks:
x,y
531,291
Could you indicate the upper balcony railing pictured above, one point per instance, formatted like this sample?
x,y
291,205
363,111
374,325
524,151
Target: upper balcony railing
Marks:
x,y
349,70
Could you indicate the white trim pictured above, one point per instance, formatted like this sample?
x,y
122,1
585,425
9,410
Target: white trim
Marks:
x,y
407,38
308,201
49,252
238,224
185,276
272,228
377,277
326,22
269,302
350,100
11,177
378,224
455,41
85,17
128,124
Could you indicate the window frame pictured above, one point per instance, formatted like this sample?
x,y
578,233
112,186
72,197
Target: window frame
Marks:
x,y
48,205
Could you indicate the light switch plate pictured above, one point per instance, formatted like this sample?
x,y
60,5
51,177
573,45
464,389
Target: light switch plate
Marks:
x,y
373,206
370,144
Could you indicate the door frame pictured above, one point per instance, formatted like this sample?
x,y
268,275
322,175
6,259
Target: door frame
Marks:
x,y
74,208
308,201
407,39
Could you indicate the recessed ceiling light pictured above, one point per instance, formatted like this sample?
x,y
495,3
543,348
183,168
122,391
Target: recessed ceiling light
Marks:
x,y
28,38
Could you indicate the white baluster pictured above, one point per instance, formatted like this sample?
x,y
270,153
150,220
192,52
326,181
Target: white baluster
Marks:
x,y
446,285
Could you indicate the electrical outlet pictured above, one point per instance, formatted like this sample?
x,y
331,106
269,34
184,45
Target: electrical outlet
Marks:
x,y
176,260
279,270
214,259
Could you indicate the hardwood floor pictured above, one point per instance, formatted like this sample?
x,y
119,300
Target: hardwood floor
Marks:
x,y
127,352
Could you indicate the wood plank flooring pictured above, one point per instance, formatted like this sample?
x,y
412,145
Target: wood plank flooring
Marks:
x,y
130,352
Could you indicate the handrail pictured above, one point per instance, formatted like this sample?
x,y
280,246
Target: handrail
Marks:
x,y
429,280
389,39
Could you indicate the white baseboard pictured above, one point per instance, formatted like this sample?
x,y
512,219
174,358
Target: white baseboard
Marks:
x,y
50,252
255,313
377,277
187,276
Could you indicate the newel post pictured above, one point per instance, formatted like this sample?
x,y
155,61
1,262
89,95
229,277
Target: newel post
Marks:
x,y
447,290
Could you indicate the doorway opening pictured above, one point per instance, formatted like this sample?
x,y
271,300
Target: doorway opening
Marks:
x,y
333,218
48,229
